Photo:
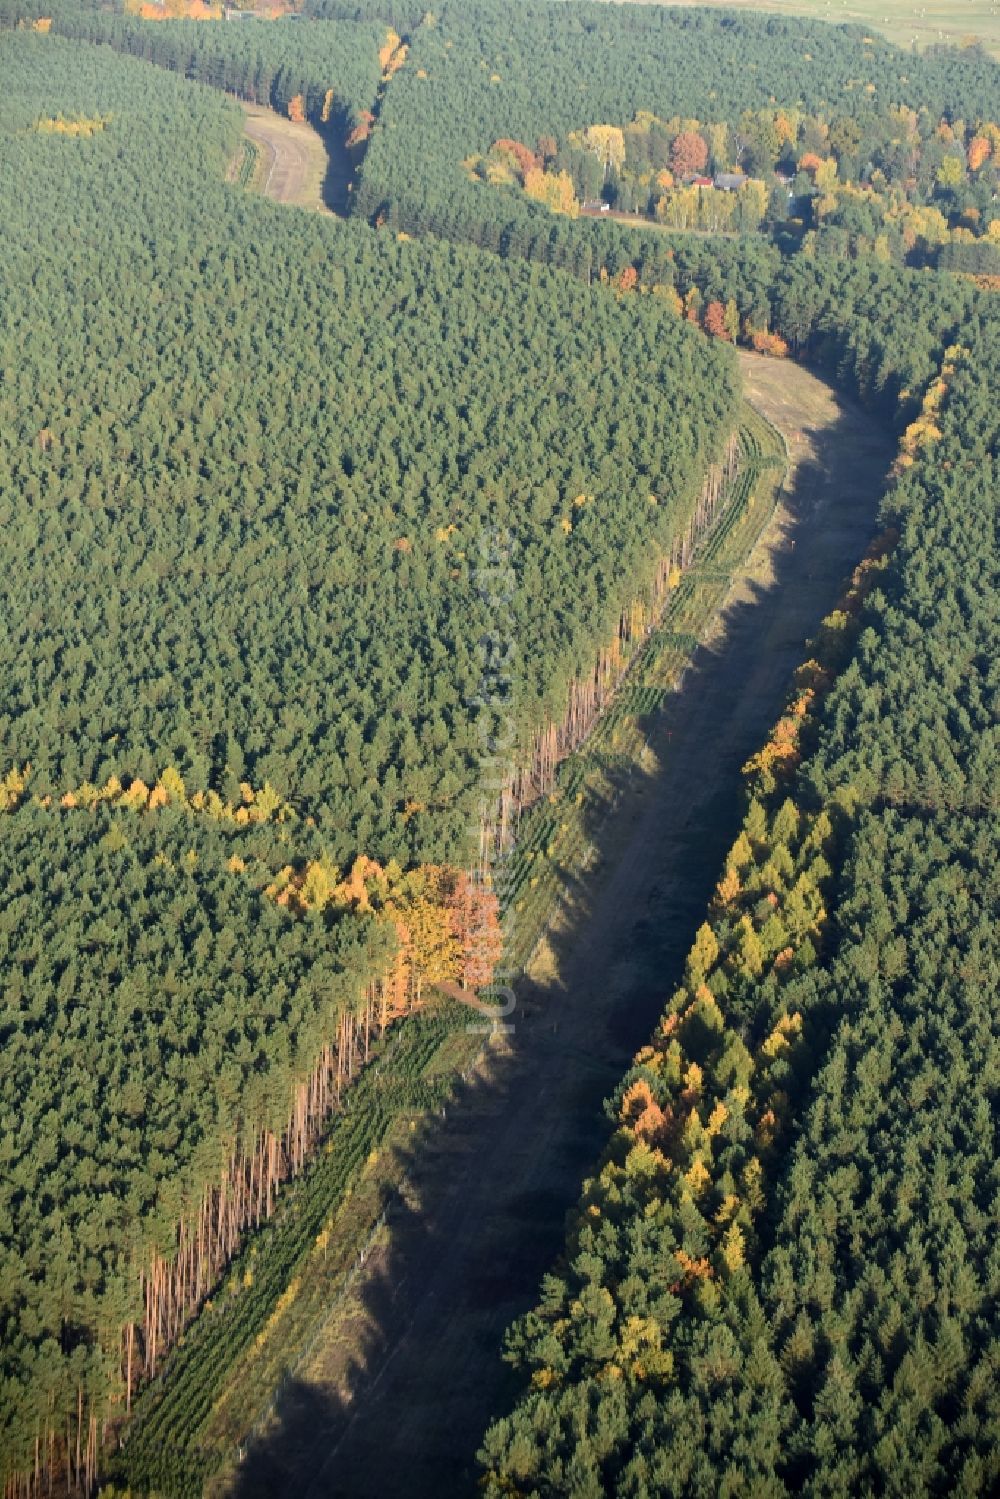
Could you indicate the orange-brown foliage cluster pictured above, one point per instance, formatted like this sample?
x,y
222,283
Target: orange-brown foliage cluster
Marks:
x,y
979,152
688,153
643,1115
692,1269
768,343
715,320
362,129
392,55
522,156
447,922
175,10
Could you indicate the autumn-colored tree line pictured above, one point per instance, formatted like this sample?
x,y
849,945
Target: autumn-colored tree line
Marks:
x,y
699,1115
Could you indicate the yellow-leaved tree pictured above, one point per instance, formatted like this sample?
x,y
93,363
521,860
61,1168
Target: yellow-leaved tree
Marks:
x,y
608,144
554,189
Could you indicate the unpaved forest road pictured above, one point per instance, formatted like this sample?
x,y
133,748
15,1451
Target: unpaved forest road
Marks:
x,y
396,1397
295,158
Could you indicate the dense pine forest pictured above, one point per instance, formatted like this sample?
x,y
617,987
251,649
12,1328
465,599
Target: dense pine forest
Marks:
x,y
256,455
330,71
256,470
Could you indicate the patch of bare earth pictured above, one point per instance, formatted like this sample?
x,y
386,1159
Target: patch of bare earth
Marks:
x,y
403,1380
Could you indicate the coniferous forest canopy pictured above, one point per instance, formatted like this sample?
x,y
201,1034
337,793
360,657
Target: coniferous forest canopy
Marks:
x,y
259,62
251,463
785,1272
255,457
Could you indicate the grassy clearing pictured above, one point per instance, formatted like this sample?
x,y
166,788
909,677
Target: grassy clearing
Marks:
x,y
902,21
801,407
641,221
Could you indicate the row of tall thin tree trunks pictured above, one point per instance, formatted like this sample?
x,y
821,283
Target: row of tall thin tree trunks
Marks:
x,y
172,1289
65,1457
589,695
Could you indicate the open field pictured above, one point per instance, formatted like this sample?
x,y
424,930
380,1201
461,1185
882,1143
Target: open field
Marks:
x,y
293,161
398,1389
641,221
902,21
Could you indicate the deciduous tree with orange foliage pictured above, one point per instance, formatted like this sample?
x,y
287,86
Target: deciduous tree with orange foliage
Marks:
x,y
474,912
688,153
979,152
715,320
523,157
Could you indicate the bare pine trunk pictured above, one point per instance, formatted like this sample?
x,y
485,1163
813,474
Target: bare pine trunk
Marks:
x,y
589,695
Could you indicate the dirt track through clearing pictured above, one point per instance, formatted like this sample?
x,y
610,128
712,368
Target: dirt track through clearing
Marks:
x,y
295,158
396,1396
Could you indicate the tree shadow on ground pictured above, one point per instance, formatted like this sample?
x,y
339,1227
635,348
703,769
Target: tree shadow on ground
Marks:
x,y
342,165
402,1390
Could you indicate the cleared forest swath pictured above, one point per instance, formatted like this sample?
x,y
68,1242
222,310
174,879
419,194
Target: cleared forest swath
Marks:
x,y
399,1387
